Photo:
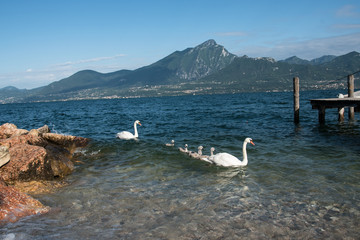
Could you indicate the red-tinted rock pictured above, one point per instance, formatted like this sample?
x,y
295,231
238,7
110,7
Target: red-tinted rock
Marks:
x,y
15,205
34,155
32,138
8,129
44,129
69,142
4,155
27,162
59,159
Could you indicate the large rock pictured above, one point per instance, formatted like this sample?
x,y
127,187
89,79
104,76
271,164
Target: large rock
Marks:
x,y
4,155
59,159
37,154
26,163
8,130
69,142
26,156
31,139
15,204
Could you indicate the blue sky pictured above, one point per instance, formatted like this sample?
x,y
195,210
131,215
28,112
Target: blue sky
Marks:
x,y
43,41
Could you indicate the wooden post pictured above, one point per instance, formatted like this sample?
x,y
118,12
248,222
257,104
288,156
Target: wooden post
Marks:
x,y
351,95
296,100
322,114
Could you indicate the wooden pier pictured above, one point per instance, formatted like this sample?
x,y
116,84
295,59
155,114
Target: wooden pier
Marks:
x,y
340,103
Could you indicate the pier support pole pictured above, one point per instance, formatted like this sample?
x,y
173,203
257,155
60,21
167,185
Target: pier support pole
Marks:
x,y
351,95
322,114
296,100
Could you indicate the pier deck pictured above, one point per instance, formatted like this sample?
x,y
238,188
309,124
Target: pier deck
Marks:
x,y
340,103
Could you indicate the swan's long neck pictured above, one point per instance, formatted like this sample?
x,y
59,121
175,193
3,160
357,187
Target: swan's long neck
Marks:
x,y
135,130
245,159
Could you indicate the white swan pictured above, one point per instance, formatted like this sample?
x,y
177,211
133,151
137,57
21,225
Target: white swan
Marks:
x,y
206,158
170,144
128,135
196,154
228,160
185,150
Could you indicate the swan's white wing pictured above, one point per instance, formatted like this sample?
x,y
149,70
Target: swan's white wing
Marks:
x,y
206,159
182,149
225,160
125,135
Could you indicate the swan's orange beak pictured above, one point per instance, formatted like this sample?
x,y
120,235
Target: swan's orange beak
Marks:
x,y
139,123
252,143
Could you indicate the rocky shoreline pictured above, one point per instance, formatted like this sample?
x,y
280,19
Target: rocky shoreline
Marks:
x,y
28,159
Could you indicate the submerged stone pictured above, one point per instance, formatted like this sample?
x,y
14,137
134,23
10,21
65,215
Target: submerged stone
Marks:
x,y
31,156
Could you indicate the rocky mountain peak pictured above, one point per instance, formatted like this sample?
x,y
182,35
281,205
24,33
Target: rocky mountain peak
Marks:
x,y
208,43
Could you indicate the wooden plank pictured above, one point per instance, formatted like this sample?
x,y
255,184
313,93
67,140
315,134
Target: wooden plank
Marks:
x,y
335,103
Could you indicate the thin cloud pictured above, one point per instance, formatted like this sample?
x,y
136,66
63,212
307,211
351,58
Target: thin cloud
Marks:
x,y
347,26
31,78
309,49
347,11
231,34
101,58
97,59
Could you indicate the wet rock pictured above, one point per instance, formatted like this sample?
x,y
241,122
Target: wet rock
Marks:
x,y
39,186
4,155
44,129
28,156
27,162
60,162
36,155
2,182
15,205
31,138
8,130
69,142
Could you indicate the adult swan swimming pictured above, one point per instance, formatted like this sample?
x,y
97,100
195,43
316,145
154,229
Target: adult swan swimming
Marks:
x,y
128,135
228,160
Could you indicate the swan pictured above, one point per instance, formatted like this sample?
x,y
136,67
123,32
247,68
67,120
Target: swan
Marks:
x,y
185,150
228,160
170,144
206,158
128,135
196,154
199,155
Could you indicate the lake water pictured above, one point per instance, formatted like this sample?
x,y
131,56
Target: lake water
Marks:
x,y
302,181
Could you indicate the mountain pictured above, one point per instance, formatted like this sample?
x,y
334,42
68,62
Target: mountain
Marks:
x,y
345,64
316,61
296,60
187,65
205,69
264,74
178,67
323,59
11,94
81,80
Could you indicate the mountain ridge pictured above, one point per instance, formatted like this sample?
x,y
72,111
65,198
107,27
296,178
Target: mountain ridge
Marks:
x,y
205,69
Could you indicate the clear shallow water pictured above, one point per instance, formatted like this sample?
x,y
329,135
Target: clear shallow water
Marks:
x,y
302,181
